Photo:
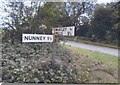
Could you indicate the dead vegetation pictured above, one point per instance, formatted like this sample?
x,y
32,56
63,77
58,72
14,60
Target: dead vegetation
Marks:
x,y
93,70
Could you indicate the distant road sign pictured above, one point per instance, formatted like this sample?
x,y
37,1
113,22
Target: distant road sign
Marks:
x,y
37,38
65,31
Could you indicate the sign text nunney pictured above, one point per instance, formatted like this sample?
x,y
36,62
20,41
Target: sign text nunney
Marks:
x,y
37,38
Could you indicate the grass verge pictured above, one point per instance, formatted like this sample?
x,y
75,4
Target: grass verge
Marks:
x,y
103,68
105,58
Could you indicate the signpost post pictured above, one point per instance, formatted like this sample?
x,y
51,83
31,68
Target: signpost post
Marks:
x,y
53,46
54,33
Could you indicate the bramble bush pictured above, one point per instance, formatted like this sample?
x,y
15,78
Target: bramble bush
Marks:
x,y
36,63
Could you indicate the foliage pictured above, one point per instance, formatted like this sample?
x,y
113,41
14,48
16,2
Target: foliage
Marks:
x,y
83,29
103,25
49,16
95,65
20,17
102,21
36,63
30,19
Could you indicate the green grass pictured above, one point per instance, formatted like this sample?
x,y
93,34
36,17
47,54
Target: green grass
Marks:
x,y
105,58
106,65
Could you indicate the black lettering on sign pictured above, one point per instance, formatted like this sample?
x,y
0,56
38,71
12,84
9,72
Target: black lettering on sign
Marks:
x,y
40,37
43,38
26,38
48,38
34,38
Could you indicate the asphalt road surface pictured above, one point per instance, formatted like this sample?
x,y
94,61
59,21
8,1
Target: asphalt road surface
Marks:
x,y
107,50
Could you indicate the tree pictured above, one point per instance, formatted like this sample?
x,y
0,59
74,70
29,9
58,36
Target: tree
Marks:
x,y
116,24
49,16
81,8
20,19
83,30
35,18
102,21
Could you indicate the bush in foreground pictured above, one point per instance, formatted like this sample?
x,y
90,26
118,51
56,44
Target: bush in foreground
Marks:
x,y
37,63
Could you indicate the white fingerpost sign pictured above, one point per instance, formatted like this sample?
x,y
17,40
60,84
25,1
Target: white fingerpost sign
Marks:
x,y
65,31
37,38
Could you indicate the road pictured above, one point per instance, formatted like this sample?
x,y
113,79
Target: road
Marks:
x,y
107,50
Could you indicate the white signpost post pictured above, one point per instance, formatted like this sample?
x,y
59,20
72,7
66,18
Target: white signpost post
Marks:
x,y
37,38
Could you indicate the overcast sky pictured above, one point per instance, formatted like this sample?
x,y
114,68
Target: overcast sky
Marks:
x,y
106,1
2,14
